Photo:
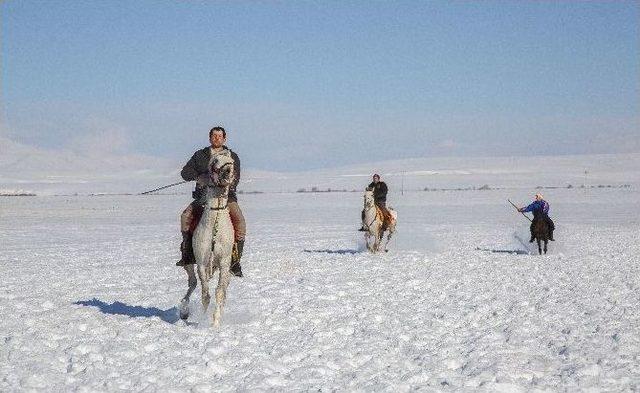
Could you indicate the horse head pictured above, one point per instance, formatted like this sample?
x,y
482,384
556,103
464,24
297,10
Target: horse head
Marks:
x,y
369,200
221,170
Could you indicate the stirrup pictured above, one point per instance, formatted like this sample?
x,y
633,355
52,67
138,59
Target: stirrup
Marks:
x,y
183,263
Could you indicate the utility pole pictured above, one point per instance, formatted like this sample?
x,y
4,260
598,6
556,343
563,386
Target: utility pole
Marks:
x,y
585,180
402,184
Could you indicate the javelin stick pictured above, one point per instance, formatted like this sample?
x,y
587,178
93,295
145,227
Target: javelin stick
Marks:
x,y
163,187
527,217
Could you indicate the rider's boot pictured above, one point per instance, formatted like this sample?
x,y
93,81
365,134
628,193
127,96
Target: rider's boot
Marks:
x,y
186,248
236,269
532,238
551,236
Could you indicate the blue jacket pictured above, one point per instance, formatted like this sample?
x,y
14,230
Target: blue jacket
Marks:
x,y
537,207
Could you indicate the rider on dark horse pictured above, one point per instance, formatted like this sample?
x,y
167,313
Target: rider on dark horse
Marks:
x,y
540,209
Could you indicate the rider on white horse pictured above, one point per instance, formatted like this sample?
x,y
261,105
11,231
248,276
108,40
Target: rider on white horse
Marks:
x,y
380,190
198,169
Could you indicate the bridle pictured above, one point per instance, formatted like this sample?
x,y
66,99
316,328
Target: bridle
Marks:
x,y
216,183
215,177
215,174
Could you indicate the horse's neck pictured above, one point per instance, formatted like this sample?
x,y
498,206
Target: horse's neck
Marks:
x,y
370,211
216,204
216,197
214,213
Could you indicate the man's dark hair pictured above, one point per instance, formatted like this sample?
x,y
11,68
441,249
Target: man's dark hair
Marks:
x,y
218,128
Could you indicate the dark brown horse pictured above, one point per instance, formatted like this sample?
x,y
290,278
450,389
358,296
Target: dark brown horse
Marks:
x,y
540,231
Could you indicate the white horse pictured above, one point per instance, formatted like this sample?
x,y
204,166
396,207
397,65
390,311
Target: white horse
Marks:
x,y
373,221
213,240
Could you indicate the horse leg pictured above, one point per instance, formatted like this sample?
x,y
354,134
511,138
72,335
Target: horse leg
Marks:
x,y
539,246
204,284
193,281
376,240
221,291
392,229
545,245
371,241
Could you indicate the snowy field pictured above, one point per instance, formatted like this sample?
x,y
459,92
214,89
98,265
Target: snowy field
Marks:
x,y
89,295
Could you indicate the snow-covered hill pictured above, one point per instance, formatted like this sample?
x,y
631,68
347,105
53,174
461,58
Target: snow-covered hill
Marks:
x,y
467,172
43,171
68,172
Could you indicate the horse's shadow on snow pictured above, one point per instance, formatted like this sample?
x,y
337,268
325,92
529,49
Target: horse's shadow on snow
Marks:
x,y
328,251
119,308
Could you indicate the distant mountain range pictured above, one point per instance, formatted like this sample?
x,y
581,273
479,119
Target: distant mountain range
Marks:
x,y
29,169
38,170
20,160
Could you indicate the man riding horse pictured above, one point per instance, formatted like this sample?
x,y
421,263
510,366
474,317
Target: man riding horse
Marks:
x,y
380,190
197,168
540,209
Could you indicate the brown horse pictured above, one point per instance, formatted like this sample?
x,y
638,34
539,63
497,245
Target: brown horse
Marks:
x,y
540,231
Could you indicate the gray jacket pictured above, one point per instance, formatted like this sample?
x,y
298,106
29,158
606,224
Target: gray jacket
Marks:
x,y
198,164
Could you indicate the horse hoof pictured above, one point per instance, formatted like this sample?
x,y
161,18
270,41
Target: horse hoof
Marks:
x,y
184,310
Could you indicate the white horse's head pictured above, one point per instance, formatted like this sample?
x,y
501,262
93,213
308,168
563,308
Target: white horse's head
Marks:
x,y
222,173
369,200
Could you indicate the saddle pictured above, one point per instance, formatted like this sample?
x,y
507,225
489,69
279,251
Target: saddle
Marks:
x,y
384,215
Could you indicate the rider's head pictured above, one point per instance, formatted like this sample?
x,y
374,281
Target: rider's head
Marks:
x,y
217,136
376,178
538,197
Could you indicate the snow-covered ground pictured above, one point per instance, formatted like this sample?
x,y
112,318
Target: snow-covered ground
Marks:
x,y
89,294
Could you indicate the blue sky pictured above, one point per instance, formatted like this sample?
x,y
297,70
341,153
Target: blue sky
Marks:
x,y
303,85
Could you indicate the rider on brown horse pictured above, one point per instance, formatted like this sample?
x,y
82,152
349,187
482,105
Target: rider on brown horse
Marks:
x,y
540,209
380,190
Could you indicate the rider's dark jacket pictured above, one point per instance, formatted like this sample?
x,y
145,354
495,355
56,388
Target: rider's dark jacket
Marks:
x,y
379,191
198,165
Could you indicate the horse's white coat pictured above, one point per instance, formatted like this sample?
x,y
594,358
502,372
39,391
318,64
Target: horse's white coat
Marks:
x,y
213,239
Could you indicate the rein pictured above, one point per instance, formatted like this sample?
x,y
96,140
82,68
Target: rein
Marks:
x,y
215,222
215,177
